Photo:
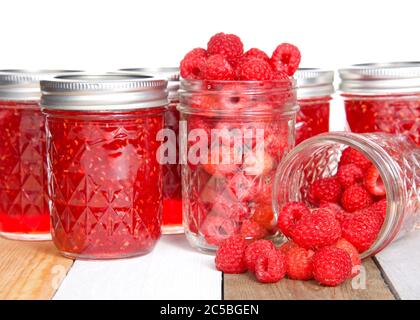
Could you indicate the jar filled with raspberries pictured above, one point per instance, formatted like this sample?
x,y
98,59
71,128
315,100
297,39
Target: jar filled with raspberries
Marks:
x,y
383,97
314,90
238,113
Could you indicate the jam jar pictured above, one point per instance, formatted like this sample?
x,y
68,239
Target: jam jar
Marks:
x,y
172,189
233,135
104,175
396,158
383,97
314,90
23,203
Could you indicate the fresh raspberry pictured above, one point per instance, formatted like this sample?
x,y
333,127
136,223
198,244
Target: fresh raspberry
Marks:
x,y
286,58
354,255
299,263
256,53
251,230
339,213
280,75
380,208
228,45
352,156
193,63
373,182
356,198
331,266
230,255
255,69
287,246
316,229
270,267
362,229
324,190
349,174
217,68
254,250
289,215
263,215
216,229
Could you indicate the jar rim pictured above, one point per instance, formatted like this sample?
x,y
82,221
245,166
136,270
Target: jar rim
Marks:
x,y
314,82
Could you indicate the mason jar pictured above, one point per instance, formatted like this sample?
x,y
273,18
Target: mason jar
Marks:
x,y
314,90
233,135
396,157
383,97
104,177
23,203
172,189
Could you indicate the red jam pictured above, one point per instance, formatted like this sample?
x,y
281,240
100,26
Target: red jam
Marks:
x,y
312,118
105,182
23,202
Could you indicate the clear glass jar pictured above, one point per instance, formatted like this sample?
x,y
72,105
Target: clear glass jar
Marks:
x,y
172,187
314,90
23,203
396,157
233,135
104,176
383,97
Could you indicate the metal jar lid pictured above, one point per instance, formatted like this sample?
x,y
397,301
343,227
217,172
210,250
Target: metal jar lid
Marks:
x,y
381,78
19,84
104,92
169,73
312,82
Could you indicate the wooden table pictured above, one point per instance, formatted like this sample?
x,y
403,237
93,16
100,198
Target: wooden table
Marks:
x,y
175,271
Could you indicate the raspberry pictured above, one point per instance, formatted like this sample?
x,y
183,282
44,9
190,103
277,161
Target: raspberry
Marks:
x,y
228,45
287,246
256,53
380,208
356,198
299,263
217,68
339,213
280,75
255,69
243,187
324,189
192,65
349,174
216,229
251,230
362,229
263,215
316,229
354,255
289,215
286,58
373,182
270,267
352,156
254,250
230,255
331,266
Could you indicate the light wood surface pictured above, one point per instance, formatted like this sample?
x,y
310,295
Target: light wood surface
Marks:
x,y
30,270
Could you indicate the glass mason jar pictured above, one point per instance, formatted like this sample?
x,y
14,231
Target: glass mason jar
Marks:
x,y
383,97
104,177
314,90
396,157
172,188
23,204
233,135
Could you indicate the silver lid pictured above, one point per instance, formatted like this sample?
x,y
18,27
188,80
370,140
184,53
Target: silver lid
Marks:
x,y
312,82
103,92
20,84
381,78
169,73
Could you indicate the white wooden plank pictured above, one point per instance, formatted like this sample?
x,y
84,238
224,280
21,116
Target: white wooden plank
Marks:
x,y
173,270
401,265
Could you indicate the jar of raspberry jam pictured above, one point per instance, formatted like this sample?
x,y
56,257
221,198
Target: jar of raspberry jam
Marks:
x,y
314,90
396,158
383,97
23,203
104,177
172,189
233,135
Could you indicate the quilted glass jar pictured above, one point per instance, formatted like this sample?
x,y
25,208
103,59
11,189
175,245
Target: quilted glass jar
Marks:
x,y
396,157
104,176
383,97
23,203
233,135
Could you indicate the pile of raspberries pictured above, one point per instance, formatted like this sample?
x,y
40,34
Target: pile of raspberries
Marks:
x,y
225,59
325,240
